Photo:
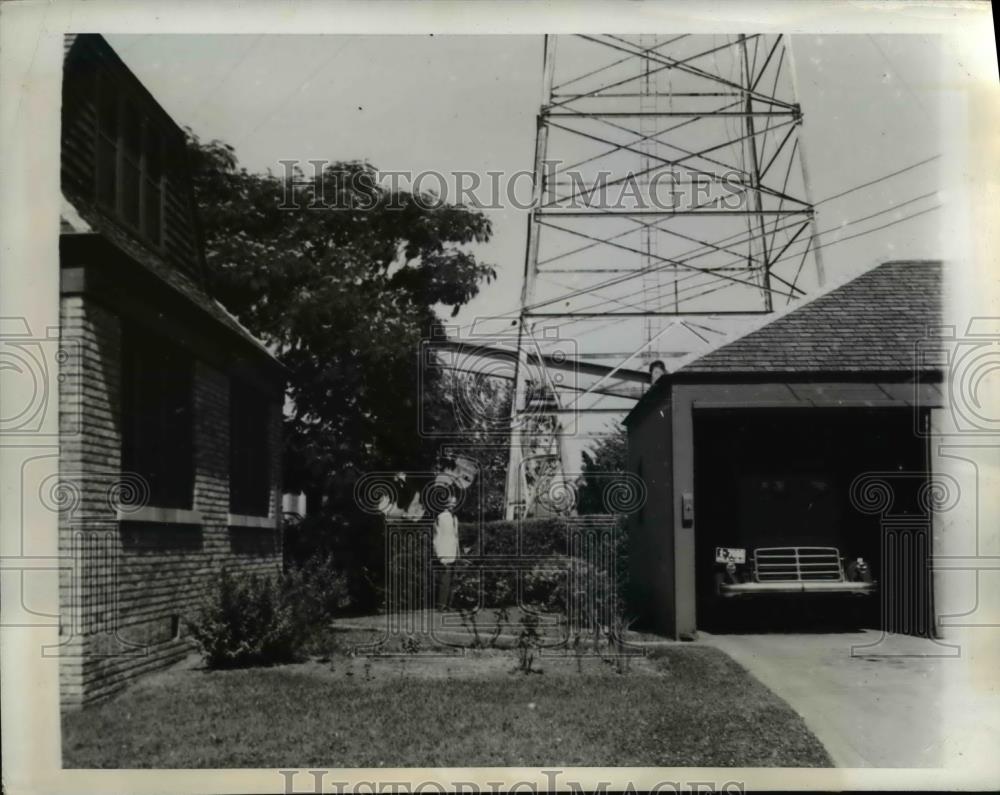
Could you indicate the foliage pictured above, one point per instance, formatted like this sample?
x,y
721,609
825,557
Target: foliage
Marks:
x,y
481,405
528,642
353,544
317,590
617,632
545,545
254,619
609,456
501,619
344,298
246,620
580,592
533,537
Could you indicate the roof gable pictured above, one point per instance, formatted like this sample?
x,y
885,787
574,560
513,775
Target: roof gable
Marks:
x,y
869,324
108,118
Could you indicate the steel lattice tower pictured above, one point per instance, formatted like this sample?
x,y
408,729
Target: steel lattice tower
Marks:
x,y
670,200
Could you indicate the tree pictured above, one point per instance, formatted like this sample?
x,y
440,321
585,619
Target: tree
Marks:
x,y
342,278
608,457
481,406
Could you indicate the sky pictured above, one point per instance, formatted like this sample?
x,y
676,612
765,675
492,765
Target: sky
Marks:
x,y
872,105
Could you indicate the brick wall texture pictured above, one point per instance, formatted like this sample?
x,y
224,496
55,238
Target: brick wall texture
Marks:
x,y
132,583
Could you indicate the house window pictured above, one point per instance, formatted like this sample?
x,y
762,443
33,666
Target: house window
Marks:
x,y
129,162
249,451
157,417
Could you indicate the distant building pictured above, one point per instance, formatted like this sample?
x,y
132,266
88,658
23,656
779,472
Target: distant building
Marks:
x,y
175,407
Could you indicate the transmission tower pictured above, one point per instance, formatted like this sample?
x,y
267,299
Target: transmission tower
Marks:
x,y
670,203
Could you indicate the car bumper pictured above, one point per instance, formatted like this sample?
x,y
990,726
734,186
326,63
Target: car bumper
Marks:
x,y
730,590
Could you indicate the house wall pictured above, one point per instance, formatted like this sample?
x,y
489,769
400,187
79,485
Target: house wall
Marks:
x,y
133,582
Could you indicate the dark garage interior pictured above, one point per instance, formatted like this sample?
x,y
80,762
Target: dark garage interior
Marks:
x,y
782,478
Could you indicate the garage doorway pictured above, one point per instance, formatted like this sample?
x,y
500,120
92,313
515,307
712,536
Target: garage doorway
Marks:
x,y
782,478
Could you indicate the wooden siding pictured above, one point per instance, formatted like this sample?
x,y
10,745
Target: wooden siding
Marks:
x,y
87,57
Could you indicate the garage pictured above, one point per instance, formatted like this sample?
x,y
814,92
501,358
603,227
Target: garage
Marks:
x,y
781,480
776,461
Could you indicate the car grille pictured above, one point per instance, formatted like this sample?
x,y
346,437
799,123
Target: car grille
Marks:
x,y
797,564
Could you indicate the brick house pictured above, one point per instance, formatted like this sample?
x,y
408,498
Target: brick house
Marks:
x,y
170,413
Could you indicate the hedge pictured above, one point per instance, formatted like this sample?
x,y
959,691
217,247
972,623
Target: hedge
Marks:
x,y
536,537
540,549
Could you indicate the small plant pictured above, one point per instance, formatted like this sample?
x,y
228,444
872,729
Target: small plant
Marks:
x,y
578,650
470,622
528,641
411,644
617,632
502,618
466,587
316,589
246,620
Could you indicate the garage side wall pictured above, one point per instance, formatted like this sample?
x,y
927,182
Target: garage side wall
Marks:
x,y
651,527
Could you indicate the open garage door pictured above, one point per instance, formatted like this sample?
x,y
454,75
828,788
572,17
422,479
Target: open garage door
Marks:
x,y
774,486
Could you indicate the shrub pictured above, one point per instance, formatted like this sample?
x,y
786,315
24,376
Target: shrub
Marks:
x,y
582,593
539,544
316,589
547,543
543,536
246,620
355,542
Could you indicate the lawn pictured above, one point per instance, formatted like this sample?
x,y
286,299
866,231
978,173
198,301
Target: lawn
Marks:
x,y
683,705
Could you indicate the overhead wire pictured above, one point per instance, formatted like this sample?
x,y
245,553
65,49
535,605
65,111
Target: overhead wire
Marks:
x,y
515,311
795,254
640,271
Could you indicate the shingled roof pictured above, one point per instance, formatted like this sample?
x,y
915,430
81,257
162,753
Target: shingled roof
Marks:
x,y
870,324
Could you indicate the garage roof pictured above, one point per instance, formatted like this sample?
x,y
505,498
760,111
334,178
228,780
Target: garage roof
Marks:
x,y
870,324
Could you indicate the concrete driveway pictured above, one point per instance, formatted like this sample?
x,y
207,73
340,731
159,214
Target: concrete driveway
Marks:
x,y
876,707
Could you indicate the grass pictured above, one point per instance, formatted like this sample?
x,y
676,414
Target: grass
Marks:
x,y
684,705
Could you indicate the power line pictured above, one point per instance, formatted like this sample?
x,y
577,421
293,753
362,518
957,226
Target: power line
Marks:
x,y
787,257
292,94
513,312
897,73
222,80
642,271
795,254
880,179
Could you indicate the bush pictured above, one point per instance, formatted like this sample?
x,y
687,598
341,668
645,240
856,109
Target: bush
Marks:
x,y
576,589
247,620
316,589
544,536
548,543
539,544
355,542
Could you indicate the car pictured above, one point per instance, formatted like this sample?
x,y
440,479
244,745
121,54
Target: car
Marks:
x,y
790,570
